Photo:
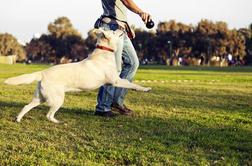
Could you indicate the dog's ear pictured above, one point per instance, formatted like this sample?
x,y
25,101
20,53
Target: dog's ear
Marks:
x,y
97,31
101,32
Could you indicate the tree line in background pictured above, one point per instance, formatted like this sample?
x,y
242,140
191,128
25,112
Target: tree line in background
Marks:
x,y
208,43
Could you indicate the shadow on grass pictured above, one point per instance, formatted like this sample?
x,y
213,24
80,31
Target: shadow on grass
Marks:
x,y
44,108
152,138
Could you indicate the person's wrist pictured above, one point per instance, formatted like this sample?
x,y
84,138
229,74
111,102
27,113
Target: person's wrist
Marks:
x,y
140,13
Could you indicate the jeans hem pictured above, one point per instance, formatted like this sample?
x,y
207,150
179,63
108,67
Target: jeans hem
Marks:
x,y
102,110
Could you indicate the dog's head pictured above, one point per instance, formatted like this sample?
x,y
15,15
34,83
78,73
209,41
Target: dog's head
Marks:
x,y
108,38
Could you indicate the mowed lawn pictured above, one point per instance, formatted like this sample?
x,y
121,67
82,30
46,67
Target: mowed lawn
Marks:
x,y
193,116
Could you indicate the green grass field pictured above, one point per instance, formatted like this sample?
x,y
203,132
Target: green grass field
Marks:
x,y
193,116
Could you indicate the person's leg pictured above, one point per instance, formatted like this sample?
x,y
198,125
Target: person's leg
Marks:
x,y
106,92
129,68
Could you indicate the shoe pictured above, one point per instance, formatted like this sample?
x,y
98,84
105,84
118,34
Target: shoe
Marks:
x,y
121,109
108,114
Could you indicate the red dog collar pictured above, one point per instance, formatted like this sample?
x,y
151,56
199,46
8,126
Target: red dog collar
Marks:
x,y
104,48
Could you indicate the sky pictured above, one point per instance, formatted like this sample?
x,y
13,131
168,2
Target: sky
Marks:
x,y
24,18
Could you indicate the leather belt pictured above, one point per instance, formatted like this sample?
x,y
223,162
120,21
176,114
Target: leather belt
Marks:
x,y
108,20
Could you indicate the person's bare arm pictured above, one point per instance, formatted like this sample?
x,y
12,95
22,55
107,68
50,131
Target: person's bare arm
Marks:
x,y
131,5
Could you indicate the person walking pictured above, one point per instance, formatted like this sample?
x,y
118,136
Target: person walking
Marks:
x,y
114,17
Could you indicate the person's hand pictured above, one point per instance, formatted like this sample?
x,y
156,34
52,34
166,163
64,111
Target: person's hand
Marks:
x,y
145,17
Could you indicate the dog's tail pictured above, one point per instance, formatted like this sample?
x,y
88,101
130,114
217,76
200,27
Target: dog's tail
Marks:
x,y
24,79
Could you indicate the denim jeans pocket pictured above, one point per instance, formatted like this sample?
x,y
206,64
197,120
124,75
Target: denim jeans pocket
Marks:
x,y
106,26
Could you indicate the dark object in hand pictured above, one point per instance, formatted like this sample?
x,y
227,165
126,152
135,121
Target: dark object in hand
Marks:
x,y
150,24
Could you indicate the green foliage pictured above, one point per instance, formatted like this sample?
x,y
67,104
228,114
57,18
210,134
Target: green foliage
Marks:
x,y
143,43
10,46
205,120
206,40
202,43
62,43
62,27
247,33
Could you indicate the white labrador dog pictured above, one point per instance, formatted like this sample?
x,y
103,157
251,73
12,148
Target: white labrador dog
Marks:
x,y
91,73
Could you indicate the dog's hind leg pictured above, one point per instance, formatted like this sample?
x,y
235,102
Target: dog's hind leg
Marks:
x,y
55,102
51,113
37,100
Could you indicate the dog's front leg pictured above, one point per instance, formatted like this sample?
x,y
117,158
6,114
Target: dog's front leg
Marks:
x,y
123,83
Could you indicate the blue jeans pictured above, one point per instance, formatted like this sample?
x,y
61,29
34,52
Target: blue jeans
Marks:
x,y
127,63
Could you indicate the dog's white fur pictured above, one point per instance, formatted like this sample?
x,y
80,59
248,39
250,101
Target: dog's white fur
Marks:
x,y
91,73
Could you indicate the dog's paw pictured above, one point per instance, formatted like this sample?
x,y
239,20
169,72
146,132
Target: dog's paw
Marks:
x,y
147,89
56,121
62,122
18,120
